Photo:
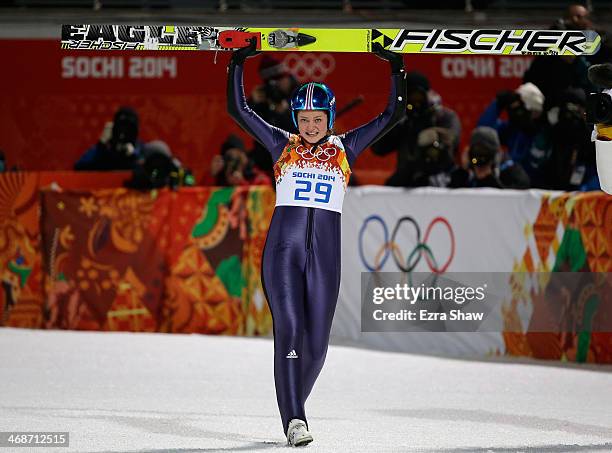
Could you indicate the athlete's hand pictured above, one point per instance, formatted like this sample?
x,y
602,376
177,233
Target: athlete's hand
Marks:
x,y
395,59
238,56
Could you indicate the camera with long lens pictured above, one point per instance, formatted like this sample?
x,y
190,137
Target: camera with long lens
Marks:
x,y
159,169
599,105
433,147
125,131
233,163
599,108
519,115
568,118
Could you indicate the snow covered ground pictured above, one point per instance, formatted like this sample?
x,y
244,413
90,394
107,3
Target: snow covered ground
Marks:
x,y
123,392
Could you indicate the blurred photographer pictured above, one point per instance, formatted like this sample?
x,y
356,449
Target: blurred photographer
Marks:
x,y
435,160
273,96
271,102
484,156
599,112
578,17
554,74
232,167
158,169
118,147
571,165
524,130
485,167
424,110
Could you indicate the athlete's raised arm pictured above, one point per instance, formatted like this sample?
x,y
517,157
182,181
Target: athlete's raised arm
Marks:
x,y
356,140
272,138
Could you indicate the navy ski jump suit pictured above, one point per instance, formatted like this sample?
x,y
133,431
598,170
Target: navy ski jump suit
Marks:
x,y
301,259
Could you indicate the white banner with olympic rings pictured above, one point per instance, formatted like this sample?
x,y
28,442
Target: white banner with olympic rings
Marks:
x,y
430,230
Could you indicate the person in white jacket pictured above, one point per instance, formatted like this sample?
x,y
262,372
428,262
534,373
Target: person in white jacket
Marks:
x,y
602,135
603,152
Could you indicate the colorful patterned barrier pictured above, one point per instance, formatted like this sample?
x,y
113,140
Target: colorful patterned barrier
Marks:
x,y
116,259
21,298
571,233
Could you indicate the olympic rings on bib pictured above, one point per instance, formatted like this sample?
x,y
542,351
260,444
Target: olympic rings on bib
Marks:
x,y
320,153
390,247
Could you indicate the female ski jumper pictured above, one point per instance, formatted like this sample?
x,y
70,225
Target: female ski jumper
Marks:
x,y
301,259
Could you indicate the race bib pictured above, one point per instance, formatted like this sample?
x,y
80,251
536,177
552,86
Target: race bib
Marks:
x,y
314,178
311,187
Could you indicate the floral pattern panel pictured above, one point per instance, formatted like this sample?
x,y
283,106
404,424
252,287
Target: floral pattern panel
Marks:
x,y
160,261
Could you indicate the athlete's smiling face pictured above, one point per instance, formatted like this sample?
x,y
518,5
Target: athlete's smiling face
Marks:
x,y
312,125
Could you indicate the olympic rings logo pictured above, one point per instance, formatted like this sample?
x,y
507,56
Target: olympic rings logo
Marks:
x,y
322,154
310,66
390,247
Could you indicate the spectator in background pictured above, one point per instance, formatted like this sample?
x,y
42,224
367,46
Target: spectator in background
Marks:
x,y
271,102
571,165
118,147
555,74
424,110
485,167
578,17
271,99
217,164
484,157
232,167
525,132
159,168
434,162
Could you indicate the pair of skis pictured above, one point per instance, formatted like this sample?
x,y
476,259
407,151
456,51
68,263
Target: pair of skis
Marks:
x,y
432,41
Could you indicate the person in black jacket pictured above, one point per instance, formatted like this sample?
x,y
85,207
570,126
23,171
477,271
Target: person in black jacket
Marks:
x,y
118,147
485,167
424,110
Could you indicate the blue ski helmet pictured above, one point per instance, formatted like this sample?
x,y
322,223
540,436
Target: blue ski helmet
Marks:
x,y
314,96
